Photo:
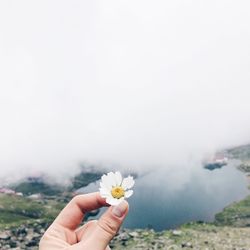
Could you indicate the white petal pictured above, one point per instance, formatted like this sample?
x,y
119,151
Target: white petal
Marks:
x,y
102,185
110,200
128,182
112,178
118,178
114,202
104,192
128,193
106,181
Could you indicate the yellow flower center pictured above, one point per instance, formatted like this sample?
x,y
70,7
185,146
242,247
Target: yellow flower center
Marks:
x,y
117,192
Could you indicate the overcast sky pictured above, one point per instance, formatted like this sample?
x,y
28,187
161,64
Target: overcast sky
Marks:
x,y
133,83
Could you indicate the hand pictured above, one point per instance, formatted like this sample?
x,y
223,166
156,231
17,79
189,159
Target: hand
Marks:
x,y
94,235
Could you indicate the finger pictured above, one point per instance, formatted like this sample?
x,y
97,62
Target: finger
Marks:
x,y
54,238
107,226
86,230
71,216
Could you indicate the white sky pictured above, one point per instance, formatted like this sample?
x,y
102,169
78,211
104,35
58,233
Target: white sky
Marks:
x,y
133,83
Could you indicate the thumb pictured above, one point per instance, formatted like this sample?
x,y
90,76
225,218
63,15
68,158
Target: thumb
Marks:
x,y
108,225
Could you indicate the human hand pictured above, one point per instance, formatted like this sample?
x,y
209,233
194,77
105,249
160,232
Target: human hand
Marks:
x,y
65,233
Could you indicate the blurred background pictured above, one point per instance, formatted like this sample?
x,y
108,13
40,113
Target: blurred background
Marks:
x,y
156,89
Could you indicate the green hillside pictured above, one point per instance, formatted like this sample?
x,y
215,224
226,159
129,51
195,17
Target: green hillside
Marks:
x,y
15,210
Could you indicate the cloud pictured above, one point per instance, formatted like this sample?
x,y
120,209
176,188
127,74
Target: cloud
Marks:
x,y
132,83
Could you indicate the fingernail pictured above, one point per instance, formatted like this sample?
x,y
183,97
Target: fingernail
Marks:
x,y
120,209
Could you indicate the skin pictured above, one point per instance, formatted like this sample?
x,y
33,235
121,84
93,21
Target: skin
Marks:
x,y
65,233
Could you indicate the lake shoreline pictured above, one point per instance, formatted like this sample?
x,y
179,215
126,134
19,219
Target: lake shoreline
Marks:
x,y
230,226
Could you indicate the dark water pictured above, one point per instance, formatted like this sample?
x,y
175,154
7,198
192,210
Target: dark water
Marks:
x,y
164,199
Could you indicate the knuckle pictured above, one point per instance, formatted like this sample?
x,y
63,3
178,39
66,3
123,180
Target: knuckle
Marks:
x,y
75,199
108,226
91,223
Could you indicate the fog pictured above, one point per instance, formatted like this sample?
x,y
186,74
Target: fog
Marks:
x,y
129,84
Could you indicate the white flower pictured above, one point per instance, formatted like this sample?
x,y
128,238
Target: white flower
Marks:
x,y
115,189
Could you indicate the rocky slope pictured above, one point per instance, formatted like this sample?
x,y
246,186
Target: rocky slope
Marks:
x,y
22,227
191,236
194,237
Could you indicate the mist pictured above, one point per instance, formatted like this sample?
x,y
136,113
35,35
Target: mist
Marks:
x,y
129,84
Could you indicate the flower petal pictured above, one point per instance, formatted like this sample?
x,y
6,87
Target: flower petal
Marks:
x,y
104,192
106,182
111,177
118,178
114,202
128,193
102,185
128,182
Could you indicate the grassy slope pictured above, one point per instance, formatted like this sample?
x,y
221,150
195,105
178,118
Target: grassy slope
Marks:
x,y
241,152
236,214
29,188
83,179
16,210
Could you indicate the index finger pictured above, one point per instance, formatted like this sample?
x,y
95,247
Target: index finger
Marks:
x,y
72,215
